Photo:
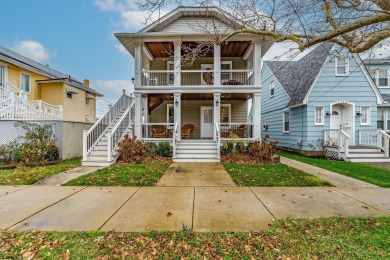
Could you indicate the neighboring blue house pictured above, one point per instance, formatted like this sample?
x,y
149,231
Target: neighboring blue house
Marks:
x,y
327,98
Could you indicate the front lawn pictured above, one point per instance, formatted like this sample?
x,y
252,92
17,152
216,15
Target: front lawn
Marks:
x,y
327,238
368,173
28,175
129,175
271,175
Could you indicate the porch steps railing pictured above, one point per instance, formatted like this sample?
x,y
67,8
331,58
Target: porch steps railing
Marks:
x,y
13,106
100,142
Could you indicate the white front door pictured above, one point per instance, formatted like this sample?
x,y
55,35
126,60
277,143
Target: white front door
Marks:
x,y
206,122
336,118
342,118
206,67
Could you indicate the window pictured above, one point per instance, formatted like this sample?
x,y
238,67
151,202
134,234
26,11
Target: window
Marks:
x,y
271,89
319,116
171,75
383,80
226,66
342,66
365,116
25,82
225,114
170,113
381,119
286,122
69,95
87,101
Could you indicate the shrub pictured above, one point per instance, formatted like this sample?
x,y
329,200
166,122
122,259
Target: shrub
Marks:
x,y
163,149
131,150
150,149
10,153
264,151
241,148
227,147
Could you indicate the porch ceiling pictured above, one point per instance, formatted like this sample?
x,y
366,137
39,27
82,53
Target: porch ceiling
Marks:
x,y
229,49
199,96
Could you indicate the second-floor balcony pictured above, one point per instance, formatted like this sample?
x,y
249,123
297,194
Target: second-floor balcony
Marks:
x,y
197,77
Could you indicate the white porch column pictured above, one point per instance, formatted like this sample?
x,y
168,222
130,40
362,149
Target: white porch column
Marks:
x,y
217,111
217,65
177,112
177,62
145,115
138,64
138,115
257,63
256,108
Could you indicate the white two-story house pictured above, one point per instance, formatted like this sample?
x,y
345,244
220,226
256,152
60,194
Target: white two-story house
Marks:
x,y
188,90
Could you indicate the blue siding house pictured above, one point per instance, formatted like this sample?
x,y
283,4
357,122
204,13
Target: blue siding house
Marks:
x,y
328,101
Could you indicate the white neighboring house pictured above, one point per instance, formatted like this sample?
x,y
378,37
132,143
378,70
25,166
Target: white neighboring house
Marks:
x,y
193,107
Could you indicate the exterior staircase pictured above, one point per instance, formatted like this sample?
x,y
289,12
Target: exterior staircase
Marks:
x,y
366,154
196,151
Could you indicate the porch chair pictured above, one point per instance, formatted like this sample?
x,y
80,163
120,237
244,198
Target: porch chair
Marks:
x,y
159,131
187,131
241,131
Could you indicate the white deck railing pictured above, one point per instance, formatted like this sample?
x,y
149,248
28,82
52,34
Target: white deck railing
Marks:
x,y
331,137
157,78
241,130
175,138
237,77
157,131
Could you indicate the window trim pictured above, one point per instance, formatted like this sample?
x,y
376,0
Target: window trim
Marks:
x,y
169,63
284,121
168,106
70,98
346,66
5,73
368,115
387,77
29,82
271,88
322,116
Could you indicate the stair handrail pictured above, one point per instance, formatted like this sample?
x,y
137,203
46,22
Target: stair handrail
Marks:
x,y
383,142
343,143
218,140
118,132
95,133
174,141
12,88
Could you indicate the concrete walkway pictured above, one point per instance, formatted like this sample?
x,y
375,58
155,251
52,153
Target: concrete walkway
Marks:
x,y
65,176
335,179
196,174
168,208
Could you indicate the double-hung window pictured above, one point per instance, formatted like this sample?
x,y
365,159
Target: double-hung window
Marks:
x,y
286,122
25,82
319,116
365,117
383,79
342,66
271,89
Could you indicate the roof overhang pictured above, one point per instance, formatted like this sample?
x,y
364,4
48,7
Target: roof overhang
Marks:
x,y
72,84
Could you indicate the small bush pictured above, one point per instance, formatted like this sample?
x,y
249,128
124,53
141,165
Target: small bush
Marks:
x,y
163,149
227,147
131,150
264,151
151,149
241,148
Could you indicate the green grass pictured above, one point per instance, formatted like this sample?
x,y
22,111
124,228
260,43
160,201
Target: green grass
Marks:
x,y
271,175
130,175
327,238
365,172
29,175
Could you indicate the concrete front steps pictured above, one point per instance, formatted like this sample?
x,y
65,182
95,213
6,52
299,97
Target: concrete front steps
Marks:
x,y
196,151
366,154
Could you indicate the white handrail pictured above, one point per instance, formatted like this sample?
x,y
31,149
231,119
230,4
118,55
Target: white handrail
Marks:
x,y
218,139
175,135
384,142
343,143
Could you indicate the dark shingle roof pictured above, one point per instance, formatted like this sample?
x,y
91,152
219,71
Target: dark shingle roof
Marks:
x,y
24,62
296,77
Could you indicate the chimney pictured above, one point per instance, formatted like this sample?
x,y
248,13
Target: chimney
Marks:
x,y
86,82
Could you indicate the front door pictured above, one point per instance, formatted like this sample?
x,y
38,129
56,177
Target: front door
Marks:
x,y
342,117
336,119
206,122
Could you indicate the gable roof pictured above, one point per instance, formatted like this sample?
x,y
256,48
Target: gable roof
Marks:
x,y
296,77
191,11
29,64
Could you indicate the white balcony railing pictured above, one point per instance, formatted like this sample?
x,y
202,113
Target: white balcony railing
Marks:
x,y
157,78
237,130
237,77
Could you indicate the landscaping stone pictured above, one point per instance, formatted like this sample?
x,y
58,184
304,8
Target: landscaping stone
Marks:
x,y
17,206
196,174
155,208
229,209
94,204
311,202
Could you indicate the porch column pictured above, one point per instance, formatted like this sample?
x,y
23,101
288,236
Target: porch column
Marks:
x,y
257,63
137,115
145,115
177,61
256,108
138,64
177,112
217,111
217,65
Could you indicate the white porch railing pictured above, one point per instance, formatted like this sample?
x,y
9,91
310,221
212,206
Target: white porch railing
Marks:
x,y
331,137
197,77
383,142
338,138
153,131
241,130
218,140
13,106
237,77
368,137
157,78
95,133
344,141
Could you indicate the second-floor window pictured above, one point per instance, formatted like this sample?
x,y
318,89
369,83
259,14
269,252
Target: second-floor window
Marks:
x,y
383,78
25,82
69,95
271,89
342,66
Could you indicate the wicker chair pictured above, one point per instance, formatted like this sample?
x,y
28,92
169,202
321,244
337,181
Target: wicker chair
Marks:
x,y
160,131
241,131
208,77
187,131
